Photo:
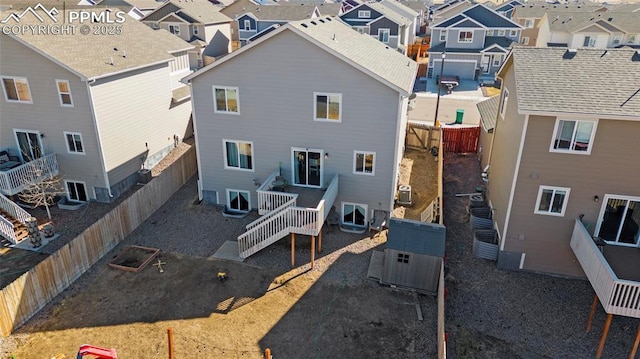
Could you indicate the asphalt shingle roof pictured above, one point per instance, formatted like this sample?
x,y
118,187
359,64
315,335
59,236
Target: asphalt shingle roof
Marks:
x,y
192,11
280,12
90,55
488,17
488,110
488,42
574,21
390,13
589,81
536,11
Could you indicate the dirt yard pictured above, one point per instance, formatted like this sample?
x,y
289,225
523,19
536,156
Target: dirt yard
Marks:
x,y
331,311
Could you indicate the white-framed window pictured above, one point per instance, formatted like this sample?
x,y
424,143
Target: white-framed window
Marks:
x,y
76,191
74,142
589,41
513,33
503,103
364,162
617,39
403,258
226,100
490,32
497,60
155,25
619,220
383,35
552,201
16,89
238,155
238,200
327,106
247,25
195,30
501,32
574,136
443,35
354,214
364,14
362,30
64,93
631,39
528,23
465,36
174,29
525,41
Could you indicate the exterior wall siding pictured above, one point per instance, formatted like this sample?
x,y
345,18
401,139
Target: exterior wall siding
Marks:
x,y
453,36
218,38
136,118
276,114
352,16
586,175
421,272
46,114
185,33
384,23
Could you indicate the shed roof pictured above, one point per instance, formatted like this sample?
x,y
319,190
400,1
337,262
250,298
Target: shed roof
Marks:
x,y
416,237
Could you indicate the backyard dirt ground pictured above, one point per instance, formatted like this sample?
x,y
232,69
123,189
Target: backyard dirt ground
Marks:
x,y
330,311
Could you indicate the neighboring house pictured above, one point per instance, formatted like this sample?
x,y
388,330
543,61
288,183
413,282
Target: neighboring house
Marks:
x,y
259,20
385,23
422,18
198,22
137,9
529,16
339,132
506,9
595,30
563,152
103,109
476,42
449,9
233,10
407,12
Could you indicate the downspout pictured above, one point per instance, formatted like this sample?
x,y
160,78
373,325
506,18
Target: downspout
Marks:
x,y
97,129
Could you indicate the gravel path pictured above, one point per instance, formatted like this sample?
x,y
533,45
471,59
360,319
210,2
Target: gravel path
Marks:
x,y
506,314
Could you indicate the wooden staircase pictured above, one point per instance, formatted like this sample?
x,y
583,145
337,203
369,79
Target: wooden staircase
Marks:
x,y
18,227
12,221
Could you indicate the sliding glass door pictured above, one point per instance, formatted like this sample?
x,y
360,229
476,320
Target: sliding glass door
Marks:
x,y
619,221
307,167
29,144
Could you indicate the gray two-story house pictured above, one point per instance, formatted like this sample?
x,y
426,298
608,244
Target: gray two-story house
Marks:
x,y
266,140
476,42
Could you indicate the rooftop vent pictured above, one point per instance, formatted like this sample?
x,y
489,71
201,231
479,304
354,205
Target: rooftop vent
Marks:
x,y
314,23
604,53
304,25
321,20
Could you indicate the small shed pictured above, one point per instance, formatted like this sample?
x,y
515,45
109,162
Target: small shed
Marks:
x,y
413,255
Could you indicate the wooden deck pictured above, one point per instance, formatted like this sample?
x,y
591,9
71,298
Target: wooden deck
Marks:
x,y
307,197
625,261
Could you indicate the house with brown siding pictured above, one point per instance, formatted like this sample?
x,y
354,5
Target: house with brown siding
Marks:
x,y
564,156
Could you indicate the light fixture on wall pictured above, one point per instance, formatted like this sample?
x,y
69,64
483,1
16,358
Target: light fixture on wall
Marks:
x,y
326,156
596,199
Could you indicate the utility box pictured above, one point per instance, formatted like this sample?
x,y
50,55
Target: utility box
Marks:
x,y
144,176
459,116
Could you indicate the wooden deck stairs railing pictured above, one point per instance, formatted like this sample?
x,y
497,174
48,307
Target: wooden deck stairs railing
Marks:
x,y
12,221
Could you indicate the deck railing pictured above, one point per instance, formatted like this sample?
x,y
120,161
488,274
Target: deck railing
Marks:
x,y
285,219
15,211
17,179
618,296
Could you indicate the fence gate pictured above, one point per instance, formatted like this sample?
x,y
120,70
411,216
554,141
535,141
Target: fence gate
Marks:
x,y
460,140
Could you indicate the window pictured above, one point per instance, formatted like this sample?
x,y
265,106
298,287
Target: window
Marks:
x,y
501,32
503,104
76,191
328,107
155,25
74,142
16,89
573,136
364,162
528,23
525,41
174,29
465,36
589,41
226,99
64,92
631,39
362,30
238,155
354,214
497,60
364,14
617,39
238,200
552,200
383,35
513,33
403,258
195,30
619,220
443,35
247,25
489,32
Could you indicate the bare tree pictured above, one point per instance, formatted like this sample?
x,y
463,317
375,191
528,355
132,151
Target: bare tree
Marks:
x,y
41,187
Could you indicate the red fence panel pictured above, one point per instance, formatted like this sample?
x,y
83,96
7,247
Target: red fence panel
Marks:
x,y
460,139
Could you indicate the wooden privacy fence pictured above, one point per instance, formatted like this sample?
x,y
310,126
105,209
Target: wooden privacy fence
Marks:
x,y
460,139
25,296
422,136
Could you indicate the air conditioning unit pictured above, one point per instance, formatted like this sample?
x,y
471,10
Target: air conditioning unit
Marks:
x,y
404,195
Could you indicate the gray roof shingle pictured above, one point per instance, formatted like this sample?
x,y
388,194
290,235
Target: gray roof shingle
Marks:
x,y
536,11
488,110
589,81
192,11
280,12
574,21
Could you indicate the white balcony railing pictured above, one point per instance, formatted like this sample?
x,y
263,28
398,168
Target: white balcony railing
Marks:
x,y
618,296
17,179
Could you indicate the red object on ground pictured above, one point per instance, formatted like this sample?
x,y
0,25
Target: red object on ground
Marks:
x,y
100,353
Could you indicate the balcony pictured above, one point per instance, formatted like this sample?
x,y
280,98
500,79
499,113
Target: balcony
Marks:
x,y
613,272
16,180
